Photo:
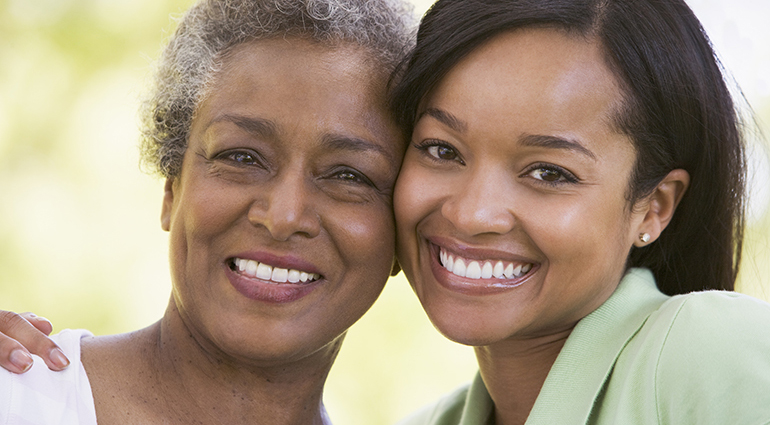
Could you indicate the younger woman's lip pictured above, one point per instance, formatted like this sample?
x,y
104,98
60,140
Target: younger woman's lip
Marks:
x,y
478,253
471,286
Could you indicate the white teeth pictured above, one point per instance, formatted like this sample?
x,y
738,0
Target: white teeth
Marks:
x,y
293,276
486,271
268,273
251,268
279,275
264,271
474,269
459,267
498,270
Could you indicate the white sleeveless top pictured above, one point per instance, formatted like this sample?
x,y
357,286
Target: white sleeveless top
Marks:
x,y
43,397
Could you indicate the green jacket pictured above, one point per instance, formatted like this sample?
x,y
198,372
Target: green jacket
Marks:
x,y
645,358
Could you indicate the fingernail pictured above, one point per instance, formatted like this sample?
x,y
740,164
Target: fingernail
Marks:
x,y
21,359
58,358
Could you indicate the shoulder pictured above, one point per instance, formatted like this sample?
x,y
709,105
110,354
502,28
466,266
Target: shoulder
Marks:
x,y
714,359
42,396
712,320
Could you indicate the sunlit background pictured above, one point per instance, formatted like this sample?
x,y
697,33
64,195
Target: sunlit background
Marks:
x,y
80,240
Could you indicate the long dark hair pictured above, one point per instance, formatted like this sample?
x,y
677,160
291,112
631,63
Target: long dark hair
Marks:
x,y
678,113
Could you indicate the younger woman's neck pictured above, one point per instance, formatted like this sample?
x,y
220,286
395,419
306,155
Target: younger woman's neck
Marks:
x,y
514,373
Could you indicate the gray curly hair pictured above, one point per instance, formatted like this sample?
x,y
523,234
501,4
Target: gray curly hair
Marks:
x,y
211,28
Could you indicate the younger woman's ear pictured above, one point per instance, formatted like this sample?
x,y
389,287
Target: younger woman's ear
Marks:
x,y
168,203
661,205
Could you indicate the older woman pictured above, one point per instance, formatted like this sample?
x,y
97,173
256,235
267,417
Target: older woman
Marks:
x,y
574,164
269,122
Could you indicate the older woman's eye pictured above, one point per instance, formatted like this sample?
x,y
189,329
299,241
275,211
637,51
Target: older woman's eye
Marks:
x,y
351,176
241,157
245,158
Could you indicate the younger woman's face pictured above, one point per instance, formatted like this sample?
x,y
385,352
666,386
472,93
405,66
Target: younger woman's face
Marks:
x,y
512,217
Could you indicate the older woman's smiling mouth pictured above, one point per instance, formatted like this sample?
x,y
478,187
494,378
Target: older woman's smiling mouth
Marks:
x,y
271,274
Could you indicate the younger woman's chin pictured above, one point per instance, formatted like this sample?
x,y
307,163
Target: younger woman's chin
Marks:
x,y
456,330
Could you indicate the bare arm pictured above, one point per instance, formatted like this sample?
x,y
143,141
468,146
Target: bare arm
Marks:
x,y
25,333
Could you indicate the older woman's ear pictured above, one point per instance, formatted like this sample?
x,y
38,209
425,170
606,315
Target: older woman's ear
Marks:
x,y
168,202
661,204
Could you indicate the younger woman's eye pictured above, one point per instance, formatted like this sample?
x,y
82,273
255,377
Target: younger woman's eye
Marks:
x,y
440,151
551,174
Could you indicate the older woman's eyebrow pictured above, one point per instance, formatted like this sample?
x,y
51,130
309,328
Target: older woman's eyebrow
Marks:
x,y
348,143
256,126
445,118
553,142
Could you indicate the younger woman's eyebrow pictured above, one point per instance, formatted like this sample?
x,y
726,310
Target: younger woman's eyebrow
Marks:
x,y
445,118
534,140
553,142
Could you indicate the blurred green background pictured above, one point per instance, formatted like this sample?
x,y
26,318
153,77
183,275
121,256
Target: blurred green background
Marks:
x,y
80,240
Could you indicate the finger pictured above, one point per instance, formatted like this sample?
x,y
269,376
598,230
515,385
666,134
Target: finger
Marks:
x,y
41,323
19,337
13,356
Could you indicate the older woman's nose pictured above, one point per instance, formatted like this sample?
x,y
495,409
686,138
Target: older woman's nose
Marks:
x,y
479,205
285,208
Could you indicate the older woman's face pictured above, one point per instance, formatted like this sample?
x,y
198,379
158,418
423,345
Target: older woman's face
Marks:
x,y
511,209
281,224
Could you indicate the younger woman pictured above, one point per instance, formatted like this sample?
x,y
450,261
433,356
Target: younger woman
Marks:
x,y
575,169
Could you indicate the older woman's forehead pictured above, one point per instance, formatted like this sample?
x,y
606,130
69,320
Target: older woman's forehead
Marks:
x,y
280,87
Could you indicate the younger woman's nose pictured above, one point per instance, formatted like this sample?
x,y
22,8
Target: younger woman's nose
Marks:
x,y
480,205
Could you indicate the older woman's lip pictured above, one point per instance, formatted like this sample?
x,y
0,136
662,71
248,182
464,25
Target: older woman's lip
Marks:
x,y
287,262
270,292
267,272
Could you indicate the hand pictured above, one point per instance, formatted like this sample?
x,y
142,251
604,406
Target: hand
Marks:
x,y
25,333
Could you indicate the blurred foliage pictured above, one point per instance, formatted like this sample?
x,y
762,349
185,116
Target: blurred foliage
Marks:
x,y
80,241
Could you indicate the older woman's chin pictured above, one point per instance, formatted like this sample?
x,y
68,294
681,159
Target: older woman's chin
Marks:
x,y
311,329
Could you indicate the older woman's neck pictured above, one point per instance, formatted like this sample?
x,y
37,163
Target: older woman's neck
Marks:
x,y
167,374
